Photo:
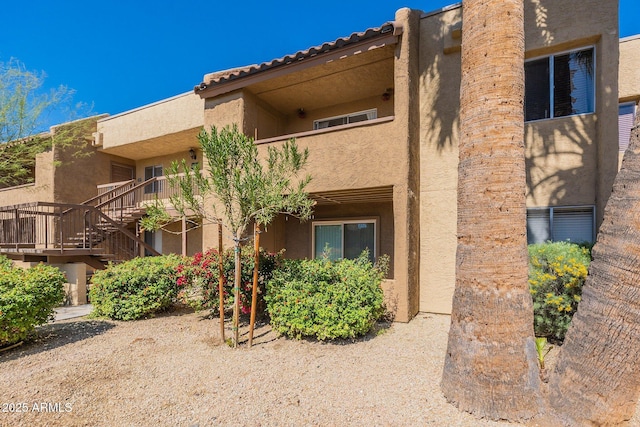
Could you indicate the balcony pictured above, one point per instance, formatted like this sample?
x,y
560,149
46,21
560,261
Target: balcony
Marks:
x,y
162,128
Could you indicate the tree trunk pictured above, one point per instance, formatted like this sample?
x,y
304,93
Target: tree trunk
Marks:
x,y
254,289
490,366
221,280
236,293
596,378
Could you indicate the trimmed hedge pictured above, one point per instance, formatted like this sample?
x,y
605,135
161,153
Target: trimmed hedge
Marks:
x,y
135,289
325,299
27,299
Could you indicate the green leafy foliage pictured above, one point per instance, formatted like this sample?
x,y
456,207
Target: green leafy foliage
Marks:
x,y
542,348
27,299
325,299
135,289
198,278
243,186
557,272
24,111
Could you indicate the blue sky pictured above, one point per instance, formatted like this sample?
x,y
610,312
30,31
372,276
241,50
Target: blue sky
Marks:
x,y
118,55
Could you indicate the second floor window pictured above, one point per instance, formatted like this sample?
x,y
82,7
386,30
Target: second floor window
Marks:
x,y
560,85
360,116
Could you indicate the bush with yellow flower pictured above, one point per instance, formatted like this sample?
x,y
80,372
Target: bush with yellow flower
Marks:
x,y
557,271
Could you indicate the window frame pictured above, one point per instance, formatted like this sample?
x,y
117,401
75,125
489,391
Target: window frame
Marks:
x,y
623,145
347,116
551,209
154,187
551,60
342,222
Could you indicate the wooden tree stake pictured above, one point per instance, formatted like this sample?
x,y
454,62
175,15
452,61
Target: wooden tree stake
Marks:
x,y
221,280
254,291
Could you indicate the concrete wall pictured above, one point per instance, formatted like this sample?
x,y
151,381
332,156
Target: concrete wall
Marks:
x,y
571,160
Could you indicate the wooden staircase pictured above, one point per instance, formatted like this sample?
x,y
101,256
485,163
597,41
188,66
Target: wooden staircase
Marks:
x,y
97,231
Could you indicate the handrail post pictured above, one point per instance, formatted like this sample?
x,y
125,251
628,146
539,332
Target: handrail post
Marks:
x,y
61,227
46,232
17,229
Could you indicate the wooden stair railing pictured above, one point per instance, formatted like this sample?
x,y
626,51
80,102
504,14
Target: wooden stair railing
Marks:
x,y
63,227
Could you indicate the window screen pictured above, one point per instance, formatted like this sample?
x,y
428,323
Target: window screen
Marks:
x,y
560,85
337,239
575,224
360,116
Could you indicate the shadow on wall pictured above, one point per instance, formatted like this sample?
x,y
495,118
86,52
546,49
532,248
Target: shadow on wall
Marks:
x,y
561,158
440,76
561,153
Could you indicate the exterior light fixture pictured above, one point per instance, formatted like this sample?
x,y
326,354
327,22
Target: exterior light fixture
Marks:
x,y
301,113
192,154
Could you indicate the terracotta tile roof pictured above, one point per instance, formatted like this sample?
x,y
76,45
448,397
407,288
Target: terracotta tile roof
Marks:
x,y
221,77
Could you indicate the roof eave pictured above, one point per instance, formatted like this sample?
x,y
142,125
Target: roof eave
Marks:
x,y
259,74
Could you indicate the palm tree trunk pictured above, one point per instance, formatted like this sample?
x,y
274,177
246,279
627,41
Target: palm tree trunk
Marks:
x,y
490,366
596,379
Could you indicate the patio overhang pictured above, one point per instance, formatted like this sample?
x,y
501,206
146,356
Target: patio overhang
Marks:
x,y
382,194
222,82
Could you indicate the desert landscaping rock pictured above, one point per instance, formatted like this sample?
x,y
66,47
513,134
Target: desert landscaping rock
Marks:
x,y
173,370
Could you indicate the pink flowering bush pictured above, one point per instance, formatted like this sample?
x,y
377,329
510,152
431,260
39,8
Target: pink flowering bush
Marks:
x,y
198,278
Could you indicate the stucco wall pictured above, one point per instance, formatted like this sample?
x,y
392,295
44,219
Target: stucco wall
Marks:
x,y
298,234
40,190
172,239
76,180
439,105
629,71
572,160
562,161
165,117
66,175
165,162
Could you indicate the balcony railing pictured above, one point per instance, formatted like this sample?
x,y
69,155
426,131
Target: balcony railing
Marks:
x,y
50,228
124,201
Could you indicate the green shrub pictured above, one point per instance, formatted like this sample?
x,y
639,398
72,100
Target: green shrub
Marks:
x,y
136,288
198,278
27,299
325,299
557,272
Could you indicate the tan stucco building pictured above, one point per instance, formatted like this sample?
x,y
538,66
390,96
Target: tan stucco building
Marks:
x,y
378,111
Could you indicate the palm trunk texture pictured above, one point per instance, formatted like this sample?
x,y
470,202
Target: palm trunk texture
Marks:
x,y
596,380
490,367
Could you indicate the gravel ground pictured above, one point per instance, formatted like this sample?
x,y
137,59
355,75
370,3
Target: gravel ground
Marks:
x,y
172,370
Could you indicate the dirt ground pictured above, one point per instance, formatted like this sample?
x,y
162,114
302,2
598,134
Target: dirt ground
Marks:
x,y
173,370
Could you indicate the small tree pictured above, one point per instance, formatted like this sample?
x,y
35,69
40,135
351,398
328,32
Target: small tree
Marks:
x,y
244,189
24,109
